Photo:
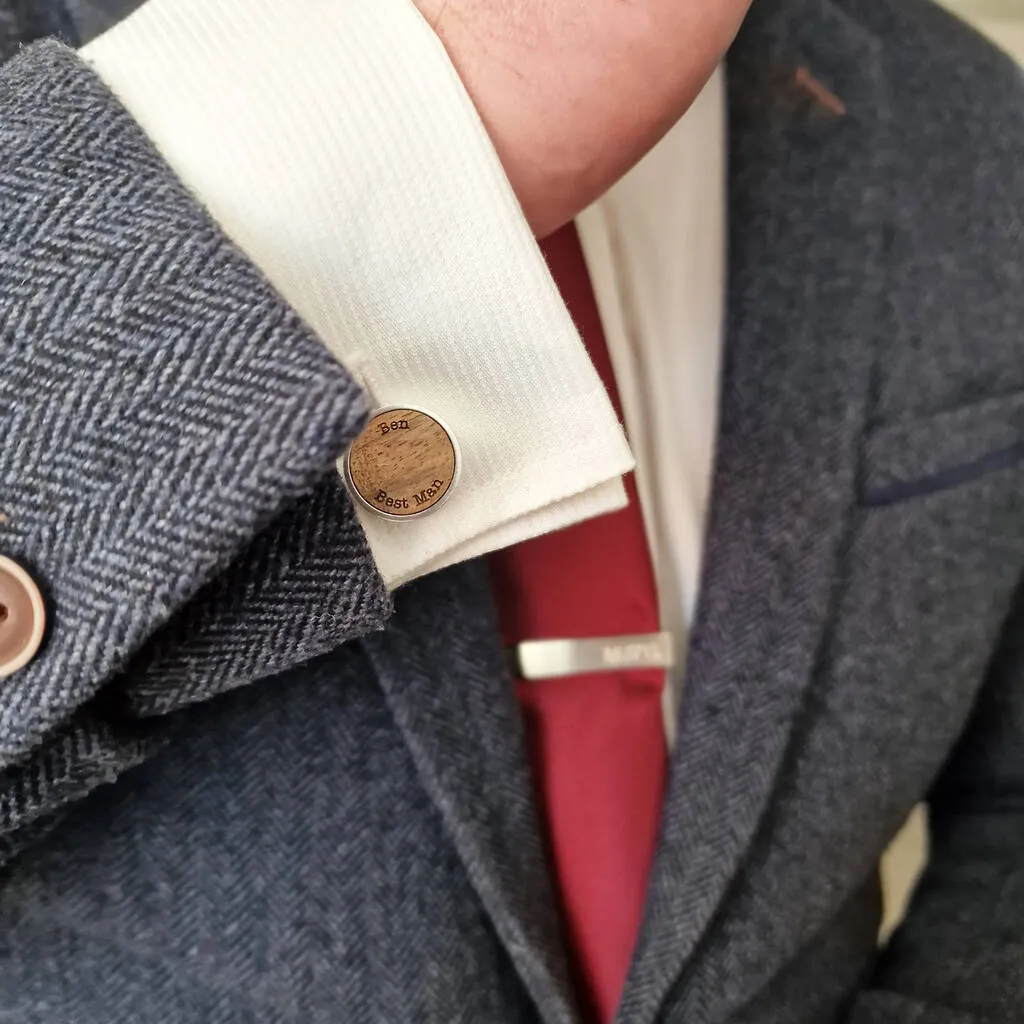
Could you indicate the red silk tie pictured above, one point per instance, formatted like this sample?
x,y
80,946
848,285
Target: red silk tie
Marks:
x,y
597,741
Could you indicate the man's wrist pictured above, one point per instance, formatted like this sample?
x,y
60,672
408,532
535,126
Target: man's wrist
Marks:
x,y
574,94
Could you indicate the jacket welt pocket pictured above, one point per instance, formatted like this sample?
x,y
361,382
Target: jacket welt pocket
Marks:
x,y
918,457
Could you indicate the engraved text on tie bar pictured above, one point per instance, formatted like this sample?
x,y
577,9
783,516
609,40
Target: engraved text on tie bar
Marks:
x,y
550,659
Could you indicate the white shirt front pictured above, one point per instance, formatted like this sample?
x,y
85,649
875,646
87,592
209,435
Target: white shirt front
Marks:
x,y
335,145
655,245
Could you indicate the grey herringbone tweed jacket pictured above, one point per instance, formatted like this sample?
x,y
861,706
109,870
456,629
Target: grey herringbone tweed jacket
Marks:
x,y
243,785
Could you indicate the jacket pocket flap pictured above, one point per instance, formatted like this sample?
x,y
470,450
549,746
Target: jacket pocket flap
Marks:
x,y
914,457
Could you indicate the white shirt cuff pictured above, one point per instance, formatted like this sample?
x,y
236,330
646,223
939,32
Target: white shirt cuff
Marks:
x,y
335,144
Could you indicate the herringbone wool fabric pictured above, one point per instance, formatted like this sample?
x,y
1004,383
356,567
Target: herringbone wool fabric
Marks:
x,y
354,838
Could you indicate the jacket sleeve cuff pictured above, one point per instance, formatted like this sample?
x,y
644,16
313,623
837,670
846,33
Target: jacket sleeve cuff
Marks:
x,y
160,405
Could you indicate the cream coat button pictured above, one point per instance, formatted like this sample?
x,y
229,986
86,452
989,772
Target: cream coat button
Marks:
x,y
404,464
22,617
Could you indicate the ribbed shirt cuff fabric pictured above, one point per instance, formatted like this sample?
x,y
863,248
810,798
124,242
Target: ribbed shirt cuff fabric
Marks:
x,y
335,144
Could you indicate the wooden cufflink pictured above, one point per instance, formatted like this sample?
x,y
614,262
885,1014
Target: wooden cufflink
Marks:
x,y
404,464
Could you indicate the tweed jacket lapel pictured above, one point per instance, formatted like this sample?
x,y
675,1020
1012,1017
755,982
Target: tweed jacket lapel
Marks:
x,y
439,663
805,110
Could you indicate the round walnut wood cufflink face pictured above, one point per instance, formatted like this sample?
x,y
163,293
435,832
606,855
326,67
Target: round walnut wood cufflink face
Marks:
x,y
404,464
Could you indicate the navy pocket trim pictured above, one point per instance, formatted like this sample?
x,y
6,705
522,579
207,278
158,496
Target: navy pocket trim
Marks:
x,y
944,480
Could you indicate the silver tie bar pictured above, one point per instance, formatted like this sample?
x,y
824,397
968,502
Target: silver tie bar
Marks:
x,y
552,659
